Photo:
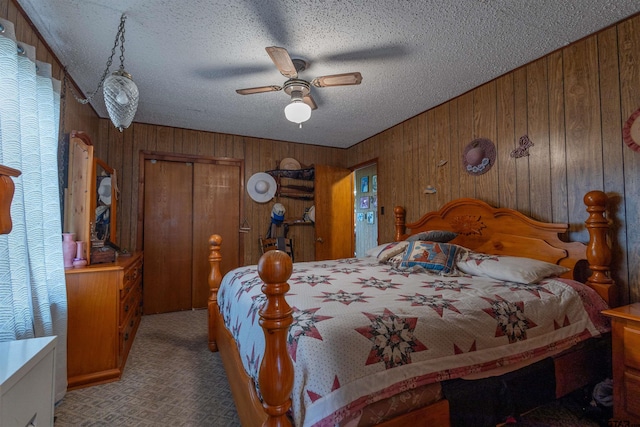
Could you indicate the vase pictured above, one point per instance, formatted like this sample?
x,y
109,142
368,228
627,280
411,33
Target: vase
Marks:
x,y
69,249
79,260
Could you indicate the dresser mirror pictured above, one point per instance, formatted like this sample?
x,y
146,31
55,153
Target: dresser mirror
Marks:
x,y
103,225
90,200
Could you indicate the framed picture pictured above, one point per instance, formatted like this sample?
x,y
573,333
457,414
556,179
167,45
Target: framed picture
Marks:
x,y
374,183
373,202
364,184
370,217
364,202
360,216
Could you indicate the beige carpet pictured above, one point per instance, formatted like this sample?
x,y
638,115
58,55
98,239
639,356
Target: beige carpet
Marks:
x,y
170,379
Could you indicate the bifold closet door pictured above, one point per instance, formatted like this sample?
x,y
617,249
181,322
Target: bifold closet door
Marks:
x,y
168,236
216,209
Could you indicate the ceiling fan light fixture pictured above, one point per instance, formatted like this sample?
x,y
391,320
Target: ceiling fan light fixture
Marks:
x,y
297,111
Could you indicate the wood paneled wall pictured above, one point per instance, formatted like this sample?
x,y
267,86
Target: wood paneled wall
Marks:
x,y
572,104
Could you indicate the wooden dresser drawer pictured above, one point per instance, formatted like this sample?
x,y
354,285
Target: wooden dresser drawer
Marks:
x,y
128,304
127,334
625,333
132,276
632,345
632,390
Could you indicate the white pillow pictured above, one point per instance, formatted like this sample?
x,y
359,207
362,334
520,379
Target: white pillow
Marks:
x,y
508,268
387,250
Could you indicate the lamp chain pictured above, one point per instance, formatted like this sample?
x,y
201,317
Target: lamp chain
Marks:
x,y
120,36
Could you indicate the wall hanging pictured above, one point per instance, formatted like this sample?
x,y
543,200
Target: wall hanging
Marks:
x,y
631,131
523,147
479,156
261,187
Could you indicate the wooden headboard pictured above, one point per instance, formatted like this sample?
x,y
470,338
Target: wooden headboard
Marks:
x,y
502,231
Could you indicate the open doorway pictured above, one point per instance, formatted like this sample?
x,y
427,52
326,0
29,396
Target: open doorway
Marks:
x,y
365,207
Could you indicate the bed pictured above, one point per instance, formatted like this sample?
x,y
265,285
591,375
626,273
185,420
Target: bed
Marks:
x,y
399,318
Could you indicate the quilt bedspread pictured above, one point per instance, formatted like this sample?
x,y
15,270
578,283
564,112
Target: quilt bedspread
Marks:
x,y
363,331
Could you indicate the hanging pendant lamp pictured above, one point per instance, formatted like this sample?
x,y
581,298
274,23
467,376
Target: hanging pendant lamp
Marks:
x,y
121,97
120,92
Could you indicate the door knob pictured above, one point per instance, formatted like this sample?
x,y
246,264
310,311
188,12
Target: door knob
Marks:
x,y
320,240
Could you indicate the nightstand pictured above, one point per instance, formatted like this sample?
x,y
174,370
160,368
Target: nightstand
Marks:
x,y
625,335
27,382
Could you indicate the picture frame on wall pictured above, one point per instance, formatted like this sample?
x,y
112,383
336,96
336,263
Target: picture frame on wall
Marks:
x,y
360,216
374,183
370,217
373,202
364,184
364,202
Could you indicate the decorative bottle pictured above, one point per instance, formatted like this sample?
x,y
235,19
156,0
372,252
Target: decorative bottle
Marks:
x,y
79,260
69,248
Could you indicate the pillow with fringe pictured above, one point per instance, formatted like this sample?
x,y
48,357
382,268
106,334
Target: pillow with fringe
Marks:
x,y
432,256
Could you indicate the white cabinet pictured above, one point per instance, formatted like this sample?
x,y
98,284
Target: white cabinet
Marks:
x,y
27,382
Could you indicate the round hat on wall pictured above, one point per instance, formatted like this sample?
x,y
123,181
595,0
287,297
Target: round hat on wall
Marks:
x,y
479,156
290,164
631,131
261,187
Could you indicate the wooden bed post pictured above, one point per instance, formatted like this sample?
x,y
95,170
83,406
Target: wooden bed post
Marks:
x,y
598,250
400,214
215,277
276,370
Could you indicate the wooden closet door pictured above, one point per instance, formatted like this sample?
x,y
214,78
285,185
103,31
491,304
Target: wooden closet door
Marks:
x,y
168,236
216,209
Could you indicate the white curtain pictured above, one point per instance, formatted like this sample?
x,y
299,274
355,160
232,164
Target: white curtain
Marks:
x,y
33,299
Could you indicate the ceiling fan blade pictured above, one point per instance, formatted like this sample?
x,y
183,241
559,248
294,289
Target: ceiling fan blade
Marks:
x,y
338,80
281,58
260,89
310,102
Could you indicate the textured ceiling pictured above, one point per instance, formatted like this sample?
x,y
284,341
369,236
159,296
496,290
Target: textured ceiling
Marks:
x,y
188,57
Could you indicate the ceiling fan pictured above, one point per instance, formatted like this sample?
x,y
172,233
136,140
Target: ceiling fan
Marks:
x,y
299,110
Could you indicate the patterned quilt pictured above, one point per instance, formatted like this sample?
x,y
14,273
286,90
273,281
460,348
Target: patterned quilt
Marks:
x,y
364,331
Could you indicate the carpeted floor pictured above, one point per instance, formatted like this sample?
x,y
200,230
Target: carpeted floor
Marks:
x,y
172,379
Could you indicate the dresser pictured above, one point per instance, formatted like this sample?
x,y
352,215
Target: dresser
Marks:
x,y
27,380
105,307
625,333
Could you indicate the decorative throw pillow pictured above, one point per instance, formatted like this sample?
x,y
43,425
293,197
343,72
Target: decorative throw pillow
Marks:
x,y
391,250
384,249
440,236
377,249
508,268
432,256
